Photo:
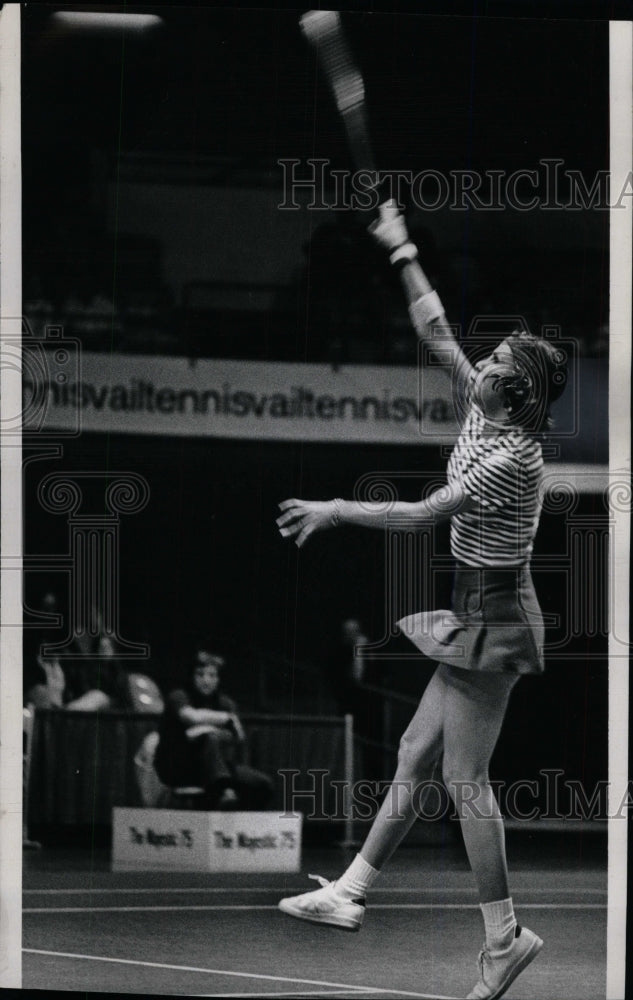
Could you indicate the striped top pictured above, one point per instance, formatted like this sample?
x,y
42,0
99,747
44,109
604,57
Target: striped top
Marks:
x,y
502,471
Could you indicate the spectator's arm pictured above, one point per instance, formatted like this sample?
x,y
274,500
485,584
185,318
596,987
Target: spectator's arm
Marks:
x,y
238,728
229,705
91,701
179,705
203,716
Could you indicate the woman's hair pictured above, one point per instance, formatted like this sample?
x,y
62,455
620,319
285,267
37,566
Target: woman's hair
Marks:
x,y
541,377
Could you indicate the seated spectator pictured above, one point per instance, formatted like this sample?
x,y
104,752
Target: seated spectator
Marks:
x,y
44,680
202,741
99,682
96,684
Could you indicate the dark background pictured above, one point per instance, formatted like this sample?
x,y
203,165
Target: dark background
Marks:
x,y
214,98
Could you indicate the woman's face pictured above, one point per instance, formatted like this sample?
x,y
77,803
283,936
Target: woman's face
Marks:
x,y
488,390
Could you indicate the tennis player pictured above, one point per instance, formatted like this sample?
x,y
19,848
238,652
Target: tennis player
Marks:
x,y
494,631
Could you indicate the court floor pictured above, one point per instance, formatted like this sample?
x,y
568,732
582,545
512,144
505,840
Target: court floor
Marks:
x,y
87,928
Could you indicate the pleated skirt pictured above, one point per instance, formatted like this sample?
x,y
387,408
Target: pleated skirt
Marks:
x,y
495,623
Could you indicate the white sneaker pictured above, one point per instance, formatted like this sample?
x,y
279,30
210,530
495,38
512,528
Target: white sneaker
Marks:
x,y
498,968
325,906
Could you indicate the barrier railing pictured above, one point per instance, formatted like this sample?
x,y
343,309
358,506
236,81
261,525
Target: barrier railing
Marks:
x,y
81,764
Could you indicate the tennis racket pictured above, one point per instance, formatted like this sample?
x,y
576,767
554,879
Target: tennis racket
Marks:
x,y
324,32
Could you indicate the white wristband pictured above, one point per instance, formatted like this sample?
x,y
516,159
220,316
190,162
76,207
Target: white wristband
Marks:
x,y
425,309
407,252
335,517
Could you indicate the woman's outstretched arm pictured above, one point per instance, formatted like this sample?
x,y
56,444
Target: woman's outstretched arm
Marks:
x,y
301,518
425,308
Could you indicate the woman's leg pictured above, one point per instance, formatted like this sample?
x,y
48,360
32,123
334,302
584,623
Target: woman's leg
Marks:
x,y
419,751
474,709
475,706
341,903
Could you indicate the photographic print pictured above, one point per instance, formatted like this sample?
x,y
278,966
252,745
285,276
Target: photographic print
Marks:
x,y
315,497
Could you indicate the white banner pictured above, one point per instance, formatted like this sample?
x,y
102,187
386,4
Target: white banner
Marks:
x,y
135,394
194,840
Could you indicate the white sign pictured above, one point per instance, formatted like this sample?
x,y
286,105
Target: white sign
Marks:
x,y
137,394
187,840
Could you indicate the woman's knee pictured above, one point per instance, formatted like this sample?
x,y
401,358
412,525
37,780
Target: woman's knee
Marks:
x,y
416,757
458,773
471,793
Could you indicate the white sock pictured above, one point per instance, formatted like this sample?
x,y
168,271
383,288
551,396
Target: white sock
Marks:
x,y
500,922
357,879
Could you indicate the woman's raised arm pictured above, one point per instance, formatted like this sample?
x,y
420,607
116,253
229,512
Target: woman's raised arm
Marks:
x,y
425,308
